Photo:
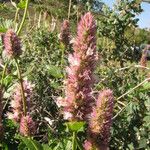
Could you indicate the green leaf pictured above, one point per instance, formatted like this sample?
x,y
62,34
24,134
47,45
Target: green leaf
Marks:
x,y
55,85
146,85
143,143
76,126
46,147
22,4
54,71
69,145
3,29
3,146
31,144
21,146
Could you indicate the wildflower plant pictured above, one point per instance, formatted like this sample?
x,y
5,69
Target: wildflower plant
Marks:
x,y
78,86
79,101
20,103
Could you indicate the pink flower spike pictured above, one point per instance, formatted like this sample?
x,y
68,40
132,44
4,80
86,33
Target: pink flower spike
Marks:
x,y
16,103
12,44
80,79
65,33
87,145
101,119
27,126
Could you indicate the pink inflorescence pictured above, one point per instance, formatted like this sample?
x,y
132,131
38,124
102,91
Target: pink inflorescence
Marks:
x,y
12,44
101,119
78,100
65,33
27,126
16,103
88,145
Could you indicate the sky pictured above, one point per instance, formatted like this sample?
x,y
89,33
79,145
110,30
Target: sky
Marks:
x,y
144,17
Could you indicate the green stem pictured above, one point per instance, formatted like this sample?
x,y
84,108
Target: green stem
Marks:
x,y
16,14
22,88
70,1
79,145
74,141
3,74
24,17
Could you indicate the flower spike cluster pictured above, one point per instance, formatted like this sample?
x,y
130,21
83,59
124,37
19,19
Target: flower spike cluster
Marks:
x,y
27,126
65,33
12,44
17,114
78,100
101,119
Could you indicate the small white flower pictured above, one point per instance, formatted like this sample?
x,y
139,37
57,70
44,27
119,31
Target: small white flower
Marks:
x,y
67,115
61,102
49,121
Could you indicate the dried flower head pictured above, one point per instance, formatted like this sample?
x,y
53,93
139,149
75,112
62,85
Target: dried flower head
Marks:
x,y
101,119
27,126
143,60
65,33
78,100
12,44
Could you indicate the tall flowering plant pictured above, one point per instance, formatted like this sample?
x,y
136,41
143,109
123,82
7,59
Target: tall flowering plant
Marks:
x,y
78,86
27,125
22,93
79,104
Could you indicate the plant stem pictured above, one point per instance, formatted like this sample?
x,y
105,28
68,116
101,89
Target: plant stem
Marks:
x,y
70,1
3,74
133,89
22,88
24,17
16,15
74,141
79,146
